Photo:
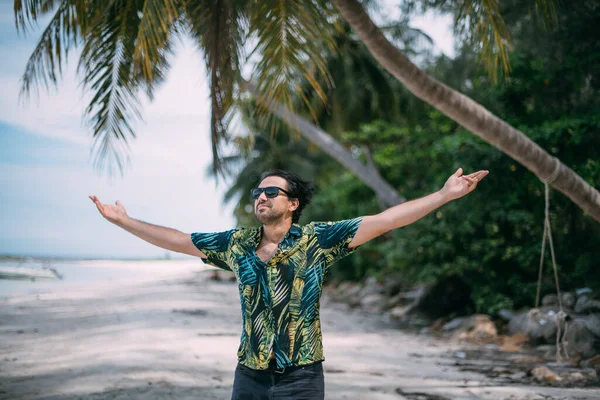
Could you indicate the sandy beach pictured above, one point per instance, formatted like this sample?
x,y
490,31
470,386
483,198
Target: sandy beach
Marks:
x,y
166,331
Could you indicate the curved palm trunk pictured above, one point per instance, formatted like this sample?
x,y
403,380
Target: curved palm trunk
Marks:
x,y
368,174
471,115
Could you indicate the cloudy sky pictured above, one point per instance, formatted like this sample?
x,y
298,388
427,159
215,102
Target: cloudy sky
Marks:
x,y
46,173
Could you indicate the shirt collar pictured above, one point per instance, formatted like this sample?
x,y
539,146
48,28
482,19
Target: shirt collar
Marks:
x,y
295,230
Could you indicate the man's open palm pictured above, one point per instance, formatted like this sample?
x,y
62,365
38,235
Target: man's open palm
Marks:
x,y
459,185
113,213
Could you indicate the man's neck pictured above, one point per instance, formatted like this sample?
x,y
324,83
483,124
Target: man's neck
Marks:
x,y
274,233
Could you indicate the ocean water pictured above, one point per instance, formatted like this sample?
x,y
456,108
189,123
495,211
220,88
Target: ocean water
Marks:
x,y
85,272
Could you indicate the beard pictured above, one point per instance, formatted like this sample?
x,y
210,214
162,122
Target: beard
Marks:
x,y
267,215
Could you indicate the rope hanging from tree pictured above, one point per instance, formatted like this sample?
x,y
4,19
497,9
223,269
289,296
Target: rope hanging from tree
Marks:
x,y
561,316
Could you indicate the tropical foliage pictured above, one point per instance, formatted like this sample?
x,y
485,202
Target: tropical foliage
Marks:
x,y
491,238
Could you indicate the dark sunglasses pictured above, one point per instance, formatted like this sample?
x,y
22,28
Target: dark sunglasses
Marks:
x,y
270,191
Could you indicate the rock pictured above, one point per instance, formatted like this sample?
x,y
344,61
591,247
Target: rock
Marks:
x,y
373,302
568,299
581,291
514,343
550,300
406,317
396,300
477,329
392,285
344,287
518,324
506,314
371,286
450,295
593,373
579,340
576,377
585,305
539,325
591,362
454,324
399,312
592,323
545,374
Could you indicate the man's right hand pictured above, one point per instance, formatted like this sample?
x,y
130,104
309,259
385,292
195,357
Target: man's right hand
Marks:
x,y
115,214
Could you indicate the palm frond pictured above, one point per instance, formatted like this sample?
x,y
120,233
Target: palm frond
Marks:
x,y
63,32
219,28
27,12
158,24
547,10
480,21
106,66
291,38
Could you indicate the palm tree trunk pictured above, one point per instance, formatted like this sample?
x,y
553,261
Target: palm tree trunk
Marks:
x,y
367,174
470,114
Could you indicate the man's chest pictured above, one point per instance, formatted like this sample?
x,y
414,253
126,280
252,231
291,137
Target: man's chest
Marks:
x,y
267,251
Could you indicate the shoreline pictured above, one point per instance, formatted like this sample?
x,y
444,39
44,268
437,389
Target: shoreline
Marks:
x,y
174,334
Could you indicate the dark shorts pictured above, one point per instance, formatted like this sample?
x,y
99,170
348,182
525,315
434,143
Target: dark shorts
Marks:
x,y
295,383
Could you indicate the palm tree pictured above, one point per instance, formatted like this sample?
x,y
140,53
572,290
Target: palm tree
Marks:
x,y
471,115
126,46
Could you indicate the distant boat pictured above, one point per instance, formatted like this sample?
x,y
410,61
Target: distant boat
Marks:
x,y
29,271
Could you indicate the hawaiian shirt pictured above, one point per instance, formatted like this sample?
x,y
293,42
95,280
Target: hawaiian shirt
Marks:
x,y
280,298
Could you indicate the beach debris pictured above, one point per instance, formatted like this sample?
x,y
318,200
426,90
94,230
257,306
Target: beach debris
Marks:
x,y
28,269
545,374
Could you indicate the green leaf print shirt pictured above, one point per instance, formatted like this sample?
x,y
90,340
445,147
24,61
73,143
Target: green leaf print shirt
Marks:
x,y
280,299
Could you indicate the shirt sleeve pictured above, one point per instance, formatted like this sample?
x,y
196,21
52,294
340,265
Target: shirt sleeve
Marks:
x,y
334,238
216,247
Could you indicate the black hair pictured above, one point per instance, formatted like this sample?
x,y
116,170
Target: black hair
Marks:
x,y
298,189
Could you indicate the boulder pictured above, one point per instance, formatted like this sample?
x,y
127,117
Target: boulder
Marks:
x,y
592,323
568,299
585,304
371,286
397,300
518,324
373,302
550,300
579,340
506,314
448,296
409,317
535,324
477,329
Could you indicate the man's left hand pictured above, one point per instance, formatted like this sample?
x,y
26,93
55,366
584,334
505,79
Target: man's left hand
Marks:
x,y
459,185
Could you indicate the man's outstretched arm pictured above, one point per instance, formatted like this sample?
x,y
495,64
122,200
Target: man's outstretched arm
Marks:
x,y
403,214
167,238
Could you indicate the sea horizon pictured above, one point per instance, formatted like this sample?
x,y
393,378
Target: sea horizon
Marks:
x,y
92,257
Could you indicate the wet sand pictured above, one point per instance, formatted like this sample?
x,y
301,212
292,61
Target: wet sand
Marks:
x,y
173,333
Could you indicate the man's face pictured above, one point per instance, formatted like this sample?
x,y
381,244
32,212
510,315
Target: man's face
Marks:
x,y
270,210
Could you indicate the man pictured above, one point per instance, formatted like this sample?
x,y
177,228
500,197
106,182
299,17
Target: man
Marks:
x,y
280,268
